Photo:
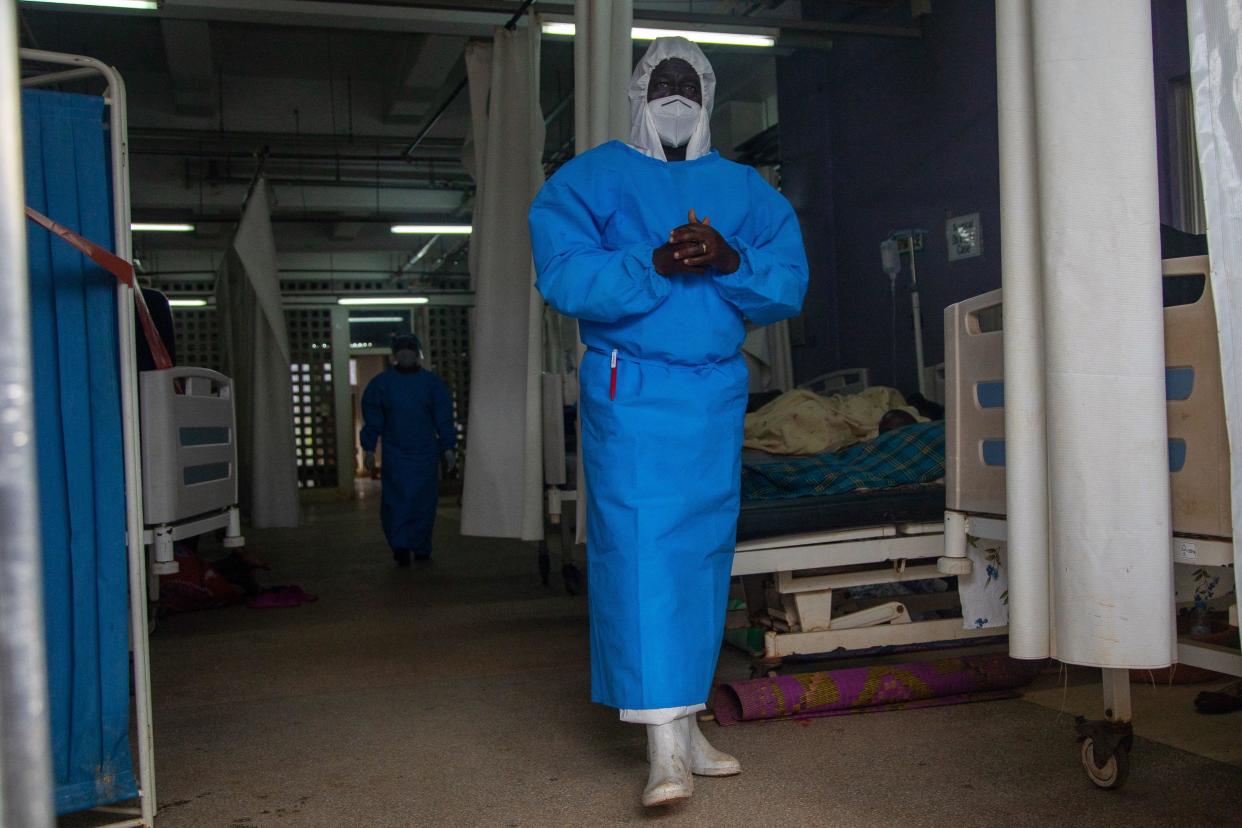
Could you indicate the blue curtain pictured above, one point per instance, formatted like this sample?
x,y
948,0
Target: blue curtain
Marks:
x,y
78,434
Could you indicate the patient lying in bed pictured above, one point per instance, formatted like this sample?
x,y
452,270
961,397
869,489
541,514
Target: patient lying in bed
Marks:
x,y
802,423
895,419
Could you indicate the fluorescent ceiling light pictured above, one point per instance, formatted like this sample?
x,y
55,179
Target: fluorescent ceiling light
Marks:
x,y
155,227
187,303
366,320
140,5
384,300
433,229
648,33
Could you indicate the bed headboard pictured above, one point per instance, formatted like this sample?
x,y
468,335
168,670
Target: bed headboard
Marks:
x,y
845,381
1198,442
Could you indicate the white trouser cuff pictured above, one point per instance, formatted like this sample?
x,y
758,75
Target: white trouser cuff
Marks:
x,y
660,715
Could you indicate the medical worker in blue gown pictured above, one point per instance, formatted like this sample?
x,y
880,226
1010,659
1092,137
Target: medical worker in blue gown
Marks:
x,y
409,409
663,251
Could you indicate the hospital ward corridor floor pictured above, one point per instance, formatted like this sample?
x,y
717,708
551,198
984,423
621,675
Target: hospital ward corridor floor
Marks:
x,y
456,694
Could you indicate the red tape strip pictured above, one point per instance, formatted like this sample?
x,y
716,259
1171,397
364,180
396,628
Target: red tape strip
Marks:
x,y
124,273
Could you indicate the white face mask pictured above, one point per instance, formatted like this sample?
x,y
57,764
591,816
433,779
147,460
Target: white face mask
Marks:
x,y
675,118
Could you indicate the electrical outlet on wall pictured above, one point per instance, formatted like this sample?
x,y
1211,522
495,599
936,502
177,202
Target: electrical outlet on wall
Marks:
x,y
965,237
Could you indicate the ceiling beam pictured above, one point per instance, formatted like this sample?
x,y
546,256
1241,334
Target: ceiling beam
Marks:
x,y
421,66
187,47
461,20
249,140
479,18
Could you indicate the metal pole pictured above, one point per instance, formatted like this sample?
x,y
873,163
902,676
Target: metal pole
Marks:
x,y
918,322
25,741
136,551
67,76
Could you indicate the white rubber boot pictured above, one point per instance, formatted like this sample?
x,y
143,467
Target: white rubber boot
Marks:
x,y
705,760
669,781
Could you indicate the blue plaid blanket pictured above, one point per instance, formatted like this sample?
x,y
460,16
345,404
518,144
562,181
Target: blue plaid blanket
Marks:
x,y
914,454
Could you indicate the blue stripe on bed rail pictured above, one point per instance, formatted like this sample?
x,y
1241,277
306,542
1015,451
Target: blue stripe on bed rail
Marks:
x,y
1177,455
993,451
1179,384
990,394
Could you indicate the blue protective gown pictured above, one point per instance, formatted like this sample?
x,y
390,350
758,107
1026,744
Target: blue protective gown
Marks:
x,y
413,414
662,458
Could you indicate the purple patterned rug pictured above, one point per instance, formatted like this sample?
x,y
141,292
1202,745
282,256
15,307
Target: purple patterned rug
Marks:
x,y
936,683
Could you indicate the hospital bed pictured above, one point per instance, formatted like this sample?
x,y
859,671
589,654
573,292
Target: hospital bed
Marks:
x,y
189,461
798,560
1198,445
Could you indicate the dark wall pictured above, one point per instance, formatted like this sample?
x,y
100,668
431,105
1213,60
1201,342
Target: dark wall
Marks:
x,y
806,180
1171,59
883,134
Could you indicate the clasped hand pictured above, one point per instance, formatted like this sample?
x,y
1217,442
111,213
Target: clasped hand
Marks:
x,y
694,248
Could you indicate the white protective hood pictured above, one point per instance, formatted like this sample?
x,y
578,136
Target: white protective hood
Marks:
x,y
643,136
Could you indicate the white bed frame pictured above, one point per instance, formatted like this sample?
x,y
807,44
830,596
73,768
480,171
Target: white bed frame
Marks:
x,y
803,571
789,581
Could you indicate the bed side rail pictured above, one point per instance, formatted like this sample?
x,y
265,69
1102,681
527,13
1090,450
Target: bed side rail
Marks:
x,y
974,406
189,443
1198,440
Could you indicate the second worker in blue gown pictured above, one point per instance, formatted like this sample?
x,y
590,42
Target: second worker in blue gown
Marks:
x,y
409,410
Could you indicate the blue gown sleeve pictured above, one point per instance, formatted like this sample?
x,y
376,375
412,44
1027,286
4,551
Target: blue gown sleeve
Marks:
x,y
372,414
771,282
442,410
577,275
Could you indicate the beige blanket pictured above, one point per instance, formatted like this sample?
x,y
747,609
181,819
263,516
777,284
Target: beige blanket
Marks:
x,y
799,422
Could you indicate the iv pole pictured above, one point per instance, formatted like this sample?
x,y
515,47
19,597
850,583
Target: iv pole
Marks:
x,y
898,242
918,317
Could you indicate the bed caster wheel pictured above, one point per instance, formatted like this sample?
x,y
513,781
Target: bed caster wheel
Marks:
x,y
572,576
1113,774
1105,751
545,564
959,567
766,669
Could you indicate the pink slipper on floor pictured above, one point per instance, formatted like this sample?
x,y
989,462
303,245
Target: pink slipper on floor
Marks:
x,y
304,596
275,599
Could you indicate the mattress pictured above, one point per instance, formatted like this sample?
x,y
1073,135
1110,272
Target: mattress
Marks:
x,y
909,456
826,513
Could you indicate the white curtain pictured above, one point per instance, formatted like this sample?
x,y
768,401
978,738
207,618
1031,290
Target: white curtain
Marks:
x,y
1216,74
1026,454
603,63
503,486
1110,575
1185,180
768,358
256,348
